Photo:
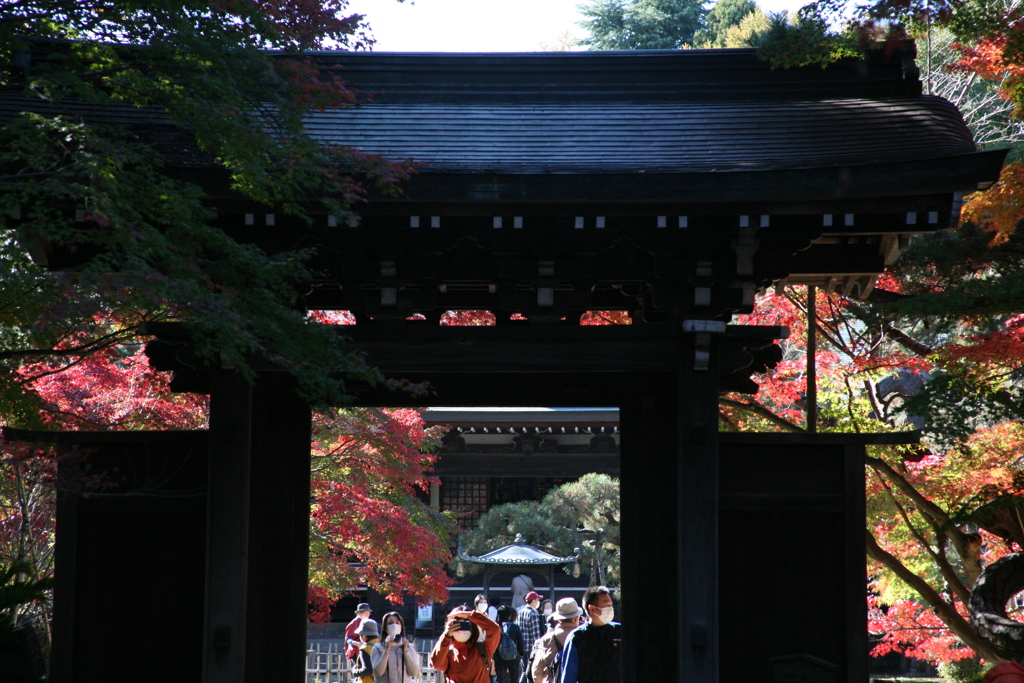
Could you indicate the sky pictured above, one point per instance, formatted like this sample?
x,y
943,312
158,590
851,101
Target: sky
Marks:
x,y
481,25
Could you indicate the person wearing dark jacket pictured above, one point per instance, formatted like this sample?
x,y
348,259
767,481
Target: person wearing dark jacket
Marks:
x,y
593,651
508,671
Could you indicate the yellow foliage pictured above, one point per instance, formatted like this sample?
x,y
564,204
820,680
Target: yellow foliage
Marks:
x,y
743,34
1000,208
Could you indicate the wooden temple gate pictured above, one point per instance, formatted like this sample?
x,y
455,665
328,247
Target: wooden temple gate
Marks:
x,y
674,185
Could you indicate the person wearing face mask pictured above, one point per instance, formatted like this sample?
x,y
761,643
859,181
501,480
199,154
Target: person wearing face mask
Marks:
x,y
532,626
459,655
482,605
394,659
592,652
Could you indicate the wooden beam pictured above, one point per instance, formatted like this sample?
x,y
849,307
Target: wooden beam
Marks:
x,y
514,350
537,465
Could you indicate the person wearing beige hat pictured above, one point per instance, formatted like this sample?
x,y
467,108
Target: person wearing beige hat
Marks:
x,y
362,665
545,660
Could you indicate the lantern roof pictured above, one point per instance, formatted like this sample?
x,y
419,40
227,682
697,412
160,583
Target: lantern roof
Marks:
x,y
518,553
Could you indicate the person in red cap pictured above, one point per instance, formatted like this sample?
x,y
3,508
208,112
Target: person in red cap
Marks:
x,y
531,625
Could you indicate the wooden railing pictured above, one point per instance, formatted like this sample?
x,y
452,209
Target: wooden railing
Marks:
x,y
326,663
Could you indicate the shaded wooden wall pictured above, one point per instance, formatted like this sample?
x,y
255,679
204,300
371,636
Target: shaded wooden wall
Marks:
x,y
740,558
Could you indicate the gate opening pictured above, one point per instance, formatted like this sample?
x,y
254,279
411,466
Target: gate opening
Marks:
x,y
423,493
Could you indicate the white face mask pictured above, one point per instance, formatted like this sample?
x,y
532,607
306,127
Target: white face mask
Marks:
x,y
394,629
461,636
482,607
607,614
547,611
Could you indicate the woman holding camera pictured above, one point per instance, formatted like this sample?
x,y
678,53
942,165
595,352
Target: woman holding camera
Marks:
x,y
459,654
394,658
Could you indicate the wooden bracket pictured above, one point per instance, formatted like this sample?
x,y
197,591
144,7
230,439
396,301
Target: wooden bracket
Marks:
x,y
702,344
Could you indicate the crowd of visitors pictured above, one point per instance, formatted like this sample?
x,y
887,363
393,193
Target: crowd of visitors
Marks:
x,y
540,643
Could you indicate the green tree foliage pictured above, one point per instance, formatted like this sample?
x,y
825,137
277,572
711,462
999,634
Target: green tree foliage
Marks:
x,y
808,39
641,24
749,32
107,203
591,502
19,588
723,15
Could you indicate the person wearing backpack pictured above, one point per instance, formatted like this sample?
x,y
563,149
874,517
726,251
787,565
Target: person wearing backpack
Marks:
x,y
362,665
511,647
546,658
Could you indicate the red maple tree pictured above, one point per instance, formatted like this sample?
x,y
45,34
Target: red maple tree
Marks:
x,y
371,525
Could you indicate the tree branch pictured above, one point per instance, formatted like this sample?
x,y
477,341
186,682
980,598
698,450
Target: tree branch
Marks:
x,y
940,559
961,541
107,340
960,627
761,411
898,336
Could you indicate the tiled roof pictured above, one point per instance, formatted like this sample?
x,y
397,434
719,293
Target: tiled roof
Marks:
x,y
699,120
618,137
518,553
673,111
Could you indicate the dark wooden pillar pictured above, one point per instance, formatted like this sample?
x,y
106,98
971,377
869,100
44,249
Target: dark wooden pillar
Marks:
x,y
227,529
650,575
257,531
669,486
697,482
278,533
855,516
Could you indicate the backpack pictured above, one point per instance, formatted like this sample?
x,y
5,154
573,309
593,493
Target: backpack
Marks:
x,y
508,651
554,667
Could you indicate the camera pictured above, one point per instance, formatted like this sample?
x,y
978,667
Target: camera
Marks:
x,y
396,638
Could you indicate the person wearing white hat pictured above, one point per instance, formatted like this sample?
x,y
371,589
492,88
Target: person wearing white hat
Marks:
x,y
546,659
